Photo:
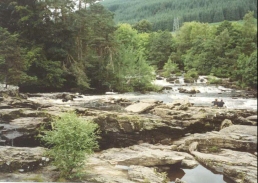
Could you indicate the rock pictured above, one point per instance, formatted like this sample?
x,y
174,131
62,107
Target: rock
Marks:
x,y
252,118
17,158
244,121
226,123
140,107
147,155
238,166
22,131
145,174
179,181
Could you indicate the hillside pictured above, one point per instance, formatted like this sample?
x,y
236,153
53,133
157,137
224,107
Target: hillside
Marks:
x,y
162,13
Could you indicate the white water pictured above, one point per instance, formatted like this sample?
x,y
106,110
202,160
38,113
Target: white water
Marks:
x,y
207,94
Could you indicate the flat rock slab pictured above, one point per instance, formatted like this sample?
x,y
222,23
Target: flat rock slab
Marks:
x,y
238,137
147,155
140,107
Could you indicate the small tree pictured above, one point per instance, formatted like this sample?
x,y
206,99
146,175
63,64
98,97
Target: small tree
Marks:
x,y
169,68
71,140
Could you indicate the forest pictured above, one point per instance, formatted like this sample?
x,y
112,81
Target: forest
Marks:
x,y
48,45
163,13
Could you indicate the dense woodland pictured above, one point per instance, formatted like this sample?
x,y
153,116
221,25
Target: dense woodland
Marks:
x,y
50,45
163,13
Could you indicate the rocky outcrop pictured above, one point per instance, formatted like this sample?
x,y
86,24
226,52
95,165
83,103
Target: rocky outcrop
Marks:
x,y
147,155
238,137
217,150
21,159
22,131
238,166
136,163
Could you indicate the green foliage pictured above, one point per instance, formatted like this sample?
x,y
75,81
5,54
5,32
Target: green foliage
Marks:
x,y
214,149
163,12
246,73
13,66
192,73
160,48
143,26
130,70
214,80
71,140
170,68
51,46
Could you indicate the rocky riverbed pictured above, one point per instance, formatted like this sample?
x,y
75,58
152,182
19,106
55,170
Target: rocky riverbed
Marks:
x,y
141,139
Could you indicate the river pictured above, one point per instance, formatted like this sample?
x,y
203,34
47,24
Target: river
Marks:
x,y
208,92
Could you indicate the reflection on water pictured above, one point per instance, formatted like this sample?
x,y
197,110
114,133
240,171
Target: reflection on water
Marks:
x,y
198,174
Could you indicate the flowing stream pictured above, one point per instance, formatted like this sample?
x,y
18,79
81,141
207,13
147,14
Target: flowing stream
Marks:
x,y
207,94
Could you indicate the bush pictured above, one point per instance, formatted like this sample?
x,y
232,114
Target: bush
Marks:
x,y
214,80
71,140
192,73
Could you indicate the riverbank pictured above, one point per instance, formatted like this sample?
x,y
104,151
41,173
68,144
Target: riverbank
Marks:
x,y
161,133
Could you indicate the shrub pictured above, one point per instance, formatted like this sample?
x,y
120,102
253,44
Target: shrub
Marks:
x,y
214,80
192,73
71,140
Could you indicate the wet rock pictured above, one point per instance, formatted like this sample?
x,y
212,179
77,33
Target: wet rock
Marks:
x,y
17,158
22,131
171,79
192,91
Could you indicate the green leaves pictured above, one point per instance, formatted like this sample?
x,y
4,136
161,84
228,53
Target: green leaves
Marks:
x,y
71,140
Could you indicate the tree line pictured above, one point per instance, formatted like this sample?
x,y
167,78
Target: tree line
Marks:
x,y
53,46
162,13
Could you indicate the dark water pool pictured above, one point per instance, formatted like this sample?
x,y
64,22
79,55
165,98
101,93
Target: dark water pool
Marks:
x,y
199,174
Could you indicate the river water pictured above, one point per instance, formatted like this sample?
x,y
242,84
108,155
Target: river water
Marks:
x,y
199,174
207,94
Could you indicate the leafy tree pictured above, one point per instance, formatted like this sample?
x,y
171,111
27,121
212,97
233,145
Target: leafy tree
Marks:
x,y
71,140
160,48
247,70
169,68
130,68
12,63
143,26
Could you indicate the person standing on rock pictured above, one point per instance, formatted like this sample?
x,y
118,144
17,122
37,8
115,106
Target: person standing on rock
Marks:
x,y
215,102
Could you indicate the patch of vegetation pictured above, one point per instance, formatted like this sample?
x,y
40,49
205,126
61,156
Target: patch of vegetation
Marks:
x,y
191,75
71,141
214,80
214,149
